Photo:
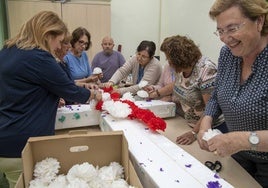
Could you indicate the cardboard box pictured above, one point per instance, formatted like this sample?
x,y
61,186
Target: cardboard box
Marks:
x,y
158,161
73,116
103,148
20,182
160,108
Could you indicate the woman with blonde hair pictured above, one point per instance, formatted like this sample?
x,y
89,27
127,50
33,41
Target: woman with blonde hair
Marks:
x,y
31,83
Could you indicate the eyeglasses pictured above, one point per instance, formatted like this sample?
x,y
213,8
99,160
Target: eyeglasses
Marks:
x,y
65,42
230,30
143,57
81,42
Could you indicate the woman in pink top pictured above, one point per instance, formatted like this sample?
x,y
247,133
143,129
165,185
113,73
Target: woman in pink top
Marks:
x,y
164,88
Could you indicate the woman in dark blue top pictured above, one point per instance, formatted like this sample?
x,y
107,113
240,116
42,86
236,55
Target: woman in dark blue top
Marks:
x,y
241,91
31,83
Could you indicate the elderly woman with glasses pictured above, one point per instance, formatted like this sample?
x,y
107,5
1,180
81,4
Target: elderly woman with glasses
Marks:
x,y
77,58
143,67
241,92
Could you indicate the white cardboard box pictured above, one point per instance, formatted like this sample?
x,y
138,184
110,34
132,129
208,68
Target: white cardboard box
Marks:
x,y
158,161
72,116
160,108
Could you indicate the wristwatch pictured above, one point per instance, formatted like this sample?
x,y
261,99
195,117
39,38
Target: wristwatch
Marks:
x,y
253,140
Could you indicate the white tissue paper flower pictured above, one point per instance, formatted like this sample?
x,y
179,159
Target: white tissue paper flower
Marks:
x,y
78,183
84,171
142,94
117,109
143,83
47,169
98,183
38,183
117,169
128,96
106,96
211,133
120,183
59,182
112,172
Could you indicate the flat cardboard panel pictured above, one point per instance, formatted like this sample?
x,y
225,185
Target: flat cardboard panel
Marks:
x,y
133,177
20,182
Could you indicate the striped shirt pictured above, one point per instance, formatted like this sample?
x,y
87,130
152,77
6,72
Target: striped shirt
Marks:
x,y
188,91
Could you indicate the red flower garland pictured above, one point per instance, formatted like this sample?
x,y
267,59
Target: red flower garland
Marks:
x,y
145,115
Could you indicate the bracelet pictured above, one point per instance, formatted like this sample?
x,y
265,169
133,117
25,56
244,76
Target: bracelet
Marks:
x,y
157,92
195,134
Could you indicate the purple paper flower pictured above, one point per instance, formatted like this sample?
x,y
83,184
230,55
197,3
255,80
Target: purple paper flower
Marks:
x,y
188,165
216,176
213,184
142,164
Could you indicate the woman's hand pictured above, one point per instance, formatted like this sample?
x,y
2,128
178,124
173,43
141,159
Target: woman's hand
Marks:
x,y
95,95
206,124
61,103
108,84
202,143
91,86
92,78
186,138
228,144
149,89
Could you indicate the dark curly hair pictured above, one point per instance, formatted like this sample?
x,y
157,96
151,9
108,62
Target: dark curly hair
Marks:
x,y
78,33
181,51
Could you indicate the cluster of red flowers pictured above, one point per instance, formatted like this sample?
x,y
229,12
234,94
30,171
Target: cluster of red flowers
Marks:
x,y
153,122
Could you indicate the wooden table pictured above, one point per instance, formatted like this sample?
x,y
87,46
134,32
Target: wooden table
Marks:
x,y
232,172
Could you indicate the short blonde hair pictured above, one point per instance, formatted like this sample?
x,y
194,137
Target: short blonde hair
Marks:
x,y
35,32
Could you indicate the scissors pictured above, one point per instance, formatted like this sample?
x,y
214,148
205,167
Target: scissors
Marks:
x,y
217,166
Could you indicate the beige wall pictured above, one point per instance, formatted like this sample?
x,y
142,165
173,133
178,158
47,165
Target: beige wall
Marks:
x,y
136,20
132,21
93,15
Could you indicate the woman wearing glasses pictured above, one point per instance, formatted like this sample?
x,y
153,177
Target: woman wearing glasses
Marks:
x,y
77,58
241,85
143,67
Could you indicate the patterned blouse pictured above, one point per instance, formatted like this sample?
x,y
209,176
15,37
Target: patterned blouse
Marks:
x,y
188,91
245,106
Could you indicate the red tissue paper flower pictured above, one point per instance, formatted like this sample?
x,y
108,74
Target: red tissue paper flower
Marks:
x,y
148,117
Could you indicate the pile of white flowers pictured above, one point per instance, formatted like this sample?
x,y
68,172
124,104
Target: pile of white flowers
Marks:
x,y
117,109
83,175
